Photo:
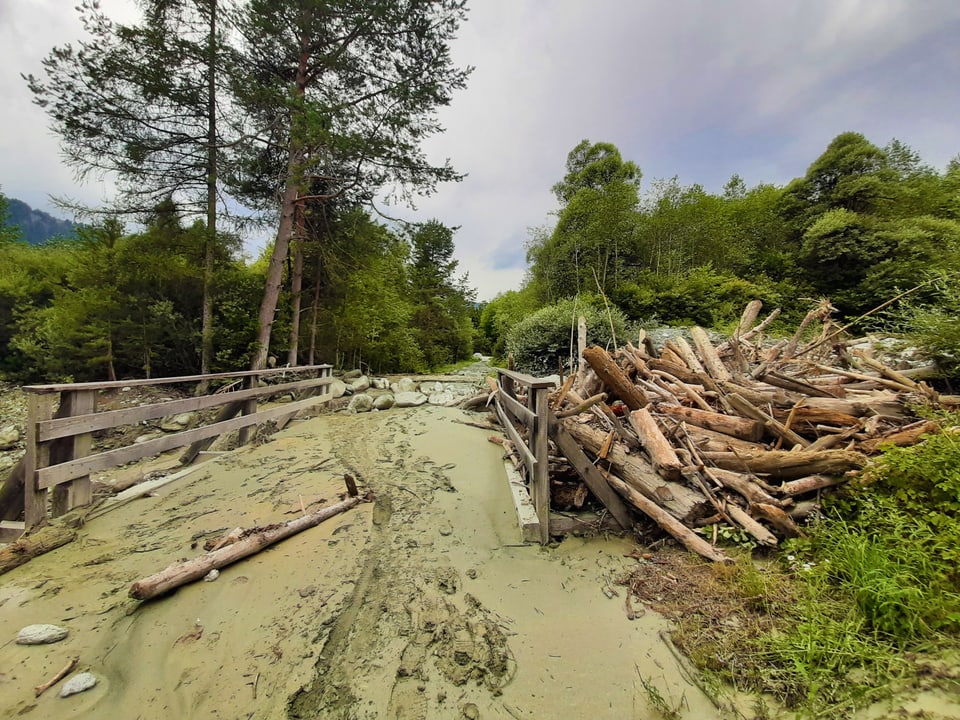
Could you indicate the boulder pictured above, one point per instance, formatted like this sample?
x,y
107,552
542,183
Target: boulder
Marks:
x,y
444,397
360,384
405,385
360,403
352,374
383,402
381,383
338,388
41,634
78,684
409,399
176,423
9,437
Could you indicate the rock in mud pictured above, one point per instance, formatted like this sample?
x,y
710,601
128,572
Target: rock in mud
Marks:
x,y
405,385
444,397
41,634
78,684
176,423
360,384
9,437
409,399
360,403
338,388
383,402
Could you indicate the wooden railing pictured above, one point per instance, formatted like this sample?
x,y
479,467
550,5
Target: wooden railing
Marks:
x,y
59,442
532,449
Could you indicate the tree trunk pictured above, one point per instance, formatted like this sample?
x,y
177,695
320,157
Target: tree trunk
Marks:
x,y
296,286
34,545
786,465
612,376
281,247
315,313
657,446
186,572
210,237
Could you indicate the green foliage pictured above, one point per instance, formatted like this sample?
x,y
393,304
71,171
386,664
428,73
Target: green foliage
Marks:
x,y
936,328
702,296
541,343
502,313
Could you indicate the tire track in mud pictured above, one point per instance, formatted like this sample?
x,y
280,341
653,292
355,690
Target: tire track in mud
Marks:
x,y
407,643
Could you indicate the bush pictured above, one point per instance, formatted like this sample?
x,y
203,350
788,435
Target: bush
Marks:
x,y
541,343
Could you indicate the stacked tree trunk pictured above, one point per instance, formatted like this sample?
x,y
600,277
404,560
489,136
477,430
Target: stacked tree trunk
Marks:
x,y
742,433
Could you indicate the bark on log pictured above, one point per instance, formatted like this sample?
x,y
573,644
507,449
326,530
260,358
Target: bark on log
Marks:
x,y
742,406
680,345
26,548
860,406
803,485
778,379
612,376
758,531
903,437
738,427
665,520
659,449
679,500
786,465
186,572
709,441
778,518
582,405
743,484
708,353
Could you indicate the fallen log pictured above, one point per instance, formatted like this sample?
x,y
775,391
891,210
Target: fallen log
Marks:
x,y
679,500
785,465
709,441
665,520
755,529
186,572
742,406
37,543
804,485
659,449
743,485
778,518
909,435
612,376
738,427
708,353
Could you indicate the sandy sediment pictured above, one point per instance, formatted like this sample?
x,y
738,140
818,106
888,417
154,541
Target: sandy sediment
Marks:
x,y
421,604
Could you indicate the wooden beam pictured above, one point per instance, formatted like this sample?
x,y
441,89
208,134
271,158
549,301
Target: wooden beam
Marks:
x,y
538,400
591,476
50,476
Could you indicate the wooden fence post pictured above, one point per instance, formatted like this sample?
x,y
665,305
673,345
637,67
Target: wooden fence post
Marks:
x,y
248,407
537,402
39,408
67,496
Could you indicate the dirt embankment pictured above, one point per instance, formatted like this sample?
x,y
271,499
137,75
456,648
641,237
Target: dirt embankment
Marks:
x,y
419,605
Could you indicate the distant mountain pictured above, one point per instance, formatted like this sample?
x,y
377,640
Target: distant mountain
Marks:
x,y
36,226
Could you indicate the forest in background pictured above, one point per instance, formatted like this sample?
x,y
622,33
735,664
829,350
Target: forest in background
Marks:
x,y
863,225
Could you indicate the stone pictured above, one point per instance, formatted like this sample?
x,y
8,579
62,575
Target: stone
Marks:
x,y
409,399
211,576
360,384
352,374
42,634
383,402
360,403
147,437
443,397
338,388
405,385
9,437
78,684
176,423
381,383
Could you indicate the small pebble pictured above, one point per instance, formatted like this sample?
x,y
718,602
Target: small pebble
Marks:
x,y
41,634
78,683
211,576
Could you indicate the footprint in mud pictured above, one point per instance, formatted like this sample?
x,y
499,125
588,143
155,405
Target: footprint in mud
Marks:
x,y
408,700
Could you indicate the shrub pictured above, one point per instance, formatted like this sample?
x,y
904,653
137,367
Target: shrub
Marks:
x,y
541,343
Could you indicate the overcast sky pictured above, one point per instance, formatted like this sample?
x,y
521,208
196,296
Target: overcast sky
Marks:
x,y
701,89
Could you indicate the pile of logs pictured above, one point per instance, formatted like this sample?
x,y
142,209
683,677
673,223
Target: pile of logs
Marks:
x,y
744,433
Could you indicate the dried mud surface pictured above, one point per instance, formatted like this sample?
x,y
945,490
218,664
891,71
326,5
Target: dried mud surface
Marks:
x,y
421,604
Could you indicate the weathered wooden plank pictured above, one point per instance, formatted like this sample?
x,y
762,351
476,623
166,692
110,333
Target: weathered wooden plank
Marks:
x,y
517,409
708,353
80,491
591,476
738,427
541,470
50,476
526,456
62,427
117,384
527,380
37,456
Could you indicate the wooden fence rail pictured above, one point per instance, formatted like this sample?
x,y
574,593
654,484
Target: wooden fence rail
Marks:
x,y
59,436
532,449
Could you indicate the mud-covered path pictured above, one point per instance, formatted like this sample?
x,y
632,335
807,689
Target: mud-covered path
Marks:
x,y
419,605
